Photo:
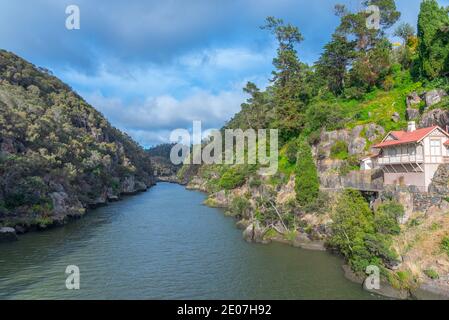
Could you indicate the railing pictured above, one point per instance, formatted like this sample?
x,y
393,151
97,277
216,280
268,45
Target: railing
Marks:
x,y
401,159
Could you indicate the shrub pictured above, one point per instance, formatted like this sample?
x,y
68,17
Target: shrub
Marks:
x,y
240,206
386,218
339,150
432,274
231,179
307,184
444,245
354,233
255,182
291,152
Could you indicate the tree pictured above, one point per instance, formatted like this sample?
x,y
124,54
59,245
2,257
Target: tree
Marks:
x,y
307,185
404,31
433,40
372,58
363,238
334,62
289,79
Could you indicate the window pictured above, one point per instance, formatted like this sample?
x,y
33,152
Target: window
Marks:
x,y
435,147
412,150
393,152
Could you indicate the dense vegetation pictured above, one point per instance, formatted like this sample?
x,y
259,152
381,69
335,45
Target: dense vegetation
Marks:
x,y
58,154
362,236
361,78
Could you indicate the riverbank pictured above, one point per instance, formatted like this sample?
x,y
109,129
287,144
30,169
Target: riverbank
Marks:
x,y
254,232
14,227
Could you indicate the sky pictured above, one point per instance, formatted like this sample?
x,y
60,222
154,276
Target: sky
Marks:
x,y
153,66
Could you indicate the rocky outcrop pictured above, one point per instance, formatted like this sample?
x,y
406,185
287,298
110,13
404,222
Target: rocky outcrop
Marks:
x,y
7,234
64,205
434,96
396,117
356,139
436,117
413,100
255,233
131,186
374,132
440,181
412,114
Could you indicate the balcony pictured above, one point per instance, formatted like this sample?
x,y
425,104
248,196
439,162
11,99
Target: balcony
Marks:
x,y
400,159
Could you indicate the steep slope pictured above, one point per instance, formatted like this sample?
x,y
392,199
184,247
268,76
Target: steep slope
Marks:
x,y
58,155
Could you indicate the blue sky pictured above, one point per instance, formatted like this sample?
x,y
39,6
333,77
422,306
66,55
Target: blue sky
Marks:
x,y
154,66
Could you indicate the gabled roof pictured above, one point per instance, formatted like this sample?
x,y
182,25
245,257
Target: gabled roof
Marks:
x,y
405,137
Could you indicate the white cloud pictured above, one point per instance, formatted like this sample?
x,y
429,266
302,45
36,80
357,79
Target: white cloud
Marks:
x,y
152,121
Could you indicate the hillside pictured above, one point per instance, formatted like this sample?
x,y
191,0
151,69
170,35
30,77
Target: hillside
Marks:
x,y
329,116
164,169
58,155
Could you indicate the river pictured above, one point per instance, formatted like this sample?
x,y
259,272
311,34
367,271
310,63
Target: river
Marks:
x,y
164,244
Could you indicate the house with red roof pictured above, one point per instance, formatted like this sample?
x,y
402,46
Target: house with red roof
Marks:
x,y
412,157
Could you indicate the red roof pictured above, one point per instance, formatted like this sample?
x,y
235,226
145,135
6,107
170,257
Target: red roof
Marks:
x,y
404,137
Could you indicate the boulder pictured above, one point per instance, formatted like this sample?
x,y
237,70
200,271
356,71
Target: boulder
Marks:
x,y
434,96
396,117
413,99
20,229
7,234
357,131
374,131
357,146
412,114
254,233
436,117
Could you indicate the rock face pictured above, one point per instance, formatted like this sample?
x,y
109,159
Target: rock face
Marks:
x,y
353,138
396,117
413,100
130,185
357,146
440,181
434,96
412,114
374,131
7,234
254,233
436,117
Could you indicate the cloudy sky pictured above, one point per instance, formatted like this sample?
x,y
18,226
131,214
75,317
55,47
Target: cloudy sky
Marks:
x,y
152,66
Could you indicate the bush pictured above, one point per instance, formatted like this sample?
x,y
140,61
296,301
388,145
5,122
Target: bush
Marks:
x,y
354,233
239,206
255,182
339,150
307,185
319,206
231,179
386,218
291,152
432,274
444,245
